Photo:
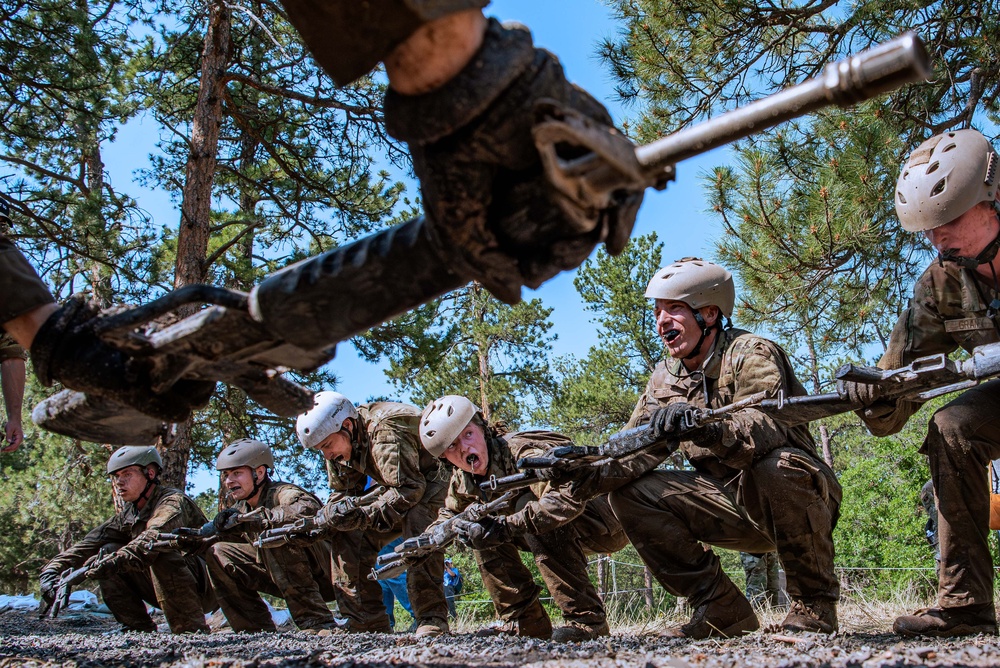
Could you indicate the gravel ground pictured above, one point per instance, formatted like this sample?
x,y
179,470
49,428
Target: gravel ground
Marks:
x,y
84,642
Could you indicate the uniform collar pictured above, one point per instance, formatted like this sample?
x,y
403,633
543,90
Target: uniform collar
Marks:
x,y
711,367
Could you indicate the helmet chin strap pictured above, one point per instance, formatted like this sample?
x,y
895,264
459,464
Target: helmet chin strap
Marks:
x,y
986,256
705,329
257,483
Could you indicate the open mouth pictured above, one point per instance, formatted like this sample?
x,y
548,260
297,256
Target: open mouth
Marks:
x,y
472,460
671,335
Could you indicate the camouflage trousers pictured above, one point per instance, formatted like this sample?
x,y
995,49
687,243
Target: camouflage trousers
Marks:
x,y
761,571
300,575
962,438
788,500
176,584
561,557
354,554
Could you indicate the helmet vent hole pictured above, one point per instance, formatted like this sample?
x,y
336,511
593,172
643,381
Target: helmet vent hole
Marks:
x,y
307,430
939,187
949,147
451,410
902,200
933,168
431,432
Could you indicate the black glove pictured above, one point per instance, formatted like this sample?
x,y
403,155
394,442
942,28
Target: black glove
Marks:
x,y
486,533
67,349
104,568
667,420
488,201
342,517
861,394
226,520
47,583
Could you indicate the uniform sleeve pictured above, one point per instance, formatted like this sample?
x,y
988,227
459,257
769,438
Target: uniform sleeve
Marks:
x,y
396,453
171,513
108,532
455,501
749,434
9,350
644,407
21,290
292,503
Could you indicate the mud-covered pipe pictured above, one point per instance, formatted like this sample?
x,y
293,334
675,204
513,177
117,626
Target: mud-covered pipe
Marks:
x,y
325,299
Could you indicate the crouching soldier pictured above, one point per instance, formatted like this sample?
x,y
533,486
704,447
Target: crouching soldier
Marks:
x,y
378,441
300,574
134,575
756,485
553,521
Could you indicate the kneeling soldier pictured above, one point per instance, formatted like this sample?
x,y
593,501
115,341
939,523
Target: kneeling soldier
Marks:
x,y
757,485
299,574
134,576
379,441
553,521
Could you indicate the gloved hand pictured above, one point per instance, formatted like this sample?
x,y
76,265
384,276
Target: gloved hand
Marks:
x,y
488,201
67,349
226,520
667,419
103,568
862,394
341,517
47,582
486,533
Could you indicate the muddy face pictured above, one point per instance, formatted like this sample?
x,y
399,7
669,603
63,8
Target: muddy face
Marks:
x,y
468,452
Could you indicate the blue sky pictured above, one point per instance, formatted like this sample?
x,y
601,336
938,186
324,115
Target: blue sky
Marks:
x,y
572,30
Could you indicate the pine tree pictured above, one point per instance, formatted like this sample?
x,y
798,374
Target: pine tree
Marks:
x,y
470,343
595,396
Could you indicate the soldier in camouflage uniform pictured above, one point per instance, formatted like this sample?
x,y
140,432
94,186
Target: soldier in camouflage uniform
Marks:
x,y
756,486
761,571
12,377
947,190
554,520
378,441
178,585
300,574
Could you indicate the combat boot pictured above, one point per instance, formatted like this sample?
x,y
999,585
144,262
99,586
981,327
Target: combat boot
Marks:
x,y
948,622
727,615
814,616
579,632
534,623
432,628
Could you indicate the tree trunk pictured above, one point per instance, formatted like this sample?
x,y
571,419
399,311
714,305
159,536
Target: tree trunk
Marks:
x,y
483,351
196,201
824,431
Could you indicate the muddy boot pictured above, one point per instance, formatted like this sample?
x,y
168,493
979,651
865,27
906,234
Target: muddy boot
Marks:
x,y
533,623
577,632
814,616
431,628
727,615
948,622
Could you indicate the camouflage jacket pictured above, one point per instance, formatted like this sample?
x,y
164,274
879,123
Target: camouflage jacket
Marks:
x,y
9,348
166,510
387,451
543,507
947,312
742,364
282,503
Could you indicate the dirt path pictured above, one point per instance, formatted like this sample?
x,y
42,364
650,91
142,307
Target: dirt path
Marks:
x,y
85,643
